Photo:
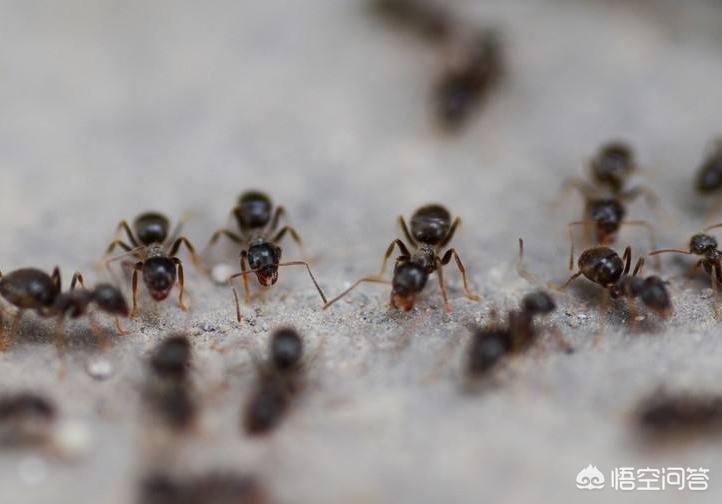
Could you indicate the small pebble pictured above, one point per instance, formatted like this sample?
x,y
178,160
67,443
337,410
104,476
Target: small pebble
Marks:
x,y
72,439
100,369
220,273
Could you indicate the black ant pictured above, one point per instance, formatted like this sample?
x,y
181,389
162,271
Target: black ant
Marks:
x,y
425,18
705,246
169,388
604,267
607,194
490,344
26,418
211,488
33,289
709,176
259,236
431,230
279,381
475,66
664,414
156,253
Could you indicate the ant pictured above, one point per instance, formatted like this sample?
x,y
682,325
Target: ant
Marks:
x,y
424,18
709,176
211,488
606,196
26,418
475,66
169,387
279,381
665,414
604,267
33,289
490,344
156,251
705,246
431,230
259,236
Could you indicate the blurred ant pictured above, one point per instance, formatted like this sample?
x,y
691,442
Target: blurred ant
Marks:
x,y
705,246
156,253
490,344
280,380
709,175
424,18
169,387
431,230
604,267
211,488
664,414
606,196
33,289
26,418
259,236
475,65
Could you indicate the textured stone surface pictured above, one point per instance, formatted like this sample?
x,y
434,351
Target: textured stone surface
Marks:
x,y
110,108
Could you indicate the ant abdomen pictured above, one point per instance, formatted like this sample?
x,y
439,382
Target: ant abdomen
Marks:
x,y
254,210
151,227
430,224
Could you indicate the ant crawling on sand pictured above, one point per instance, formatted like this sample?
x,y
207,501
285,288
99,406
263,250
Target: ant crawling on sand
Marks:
x,y
156,253
33,289
704,246
606,196
431,230
664,415
425,18
259,236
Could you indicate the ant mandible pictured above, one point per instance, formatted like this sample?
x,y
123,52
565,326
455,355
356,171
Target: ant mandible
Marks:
x,y
704,246
156,253
431,230
259,236
606,196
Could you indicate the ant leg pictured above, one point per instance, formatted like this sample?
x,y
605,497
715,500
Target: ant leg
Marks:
x,y
584,223
238,306
310,273
446,259
14,328
294,234
451,232
234,237
280,212
565,284
632,303
77,279
442,286
103,341
638,267
652,236
191,249
715,278
244,257
405,229
374,279
521,269
602,315
134,282
181,282
561,341
55,277
402,248
128,232
627,258
121,332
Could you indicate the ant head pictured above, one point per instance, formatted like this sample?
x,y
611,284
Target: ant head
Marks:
x,y
488,346
254,209
538,302
430,224
172,357
263,259
654,295
701,244
409,279
286,348
110,299
159,275
601,265
607,214
613,164
151,227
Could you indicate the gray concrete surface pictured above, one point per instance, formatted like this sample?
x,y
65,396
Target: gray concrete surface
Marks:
x,y
110,108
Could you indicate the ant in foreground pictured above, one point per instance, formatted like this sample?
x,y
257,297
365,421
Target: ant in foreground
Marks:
x,y
169,388
33,289
425,18
156,251
709,176
211,488
705,246
490,344
604,267
279,381
665,415
431,230
259,236
606,196
474,67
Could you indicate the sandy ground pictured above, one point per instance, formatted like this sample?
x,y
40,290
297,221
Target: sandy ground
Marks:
x,y
111,108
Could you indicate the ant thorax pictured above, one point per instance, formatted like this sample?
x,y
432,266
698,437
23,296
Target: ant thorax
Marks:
x,y
425,257
155,250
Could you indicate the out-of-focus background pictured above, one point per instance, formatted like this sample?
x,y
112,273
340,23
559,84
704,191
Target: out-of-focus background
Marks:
x,y
110,108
